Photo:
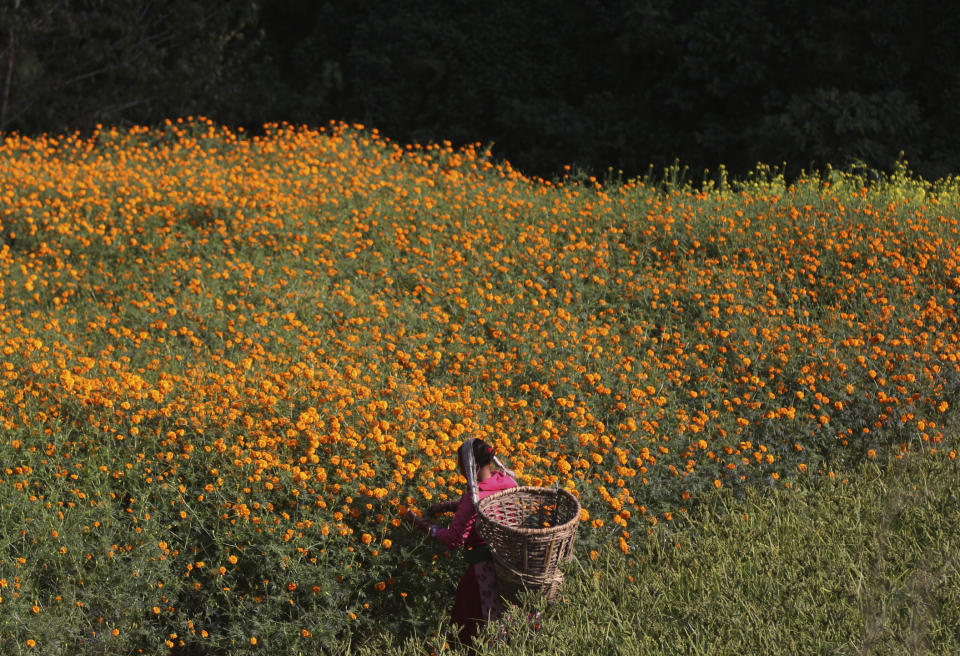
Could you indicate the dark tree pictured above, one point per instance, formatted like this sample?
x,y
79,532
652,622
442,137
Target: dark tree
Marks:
x,y
601,84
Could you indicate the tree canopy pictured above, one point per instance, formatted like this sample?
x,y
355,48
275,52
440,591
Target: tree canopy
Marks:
x,y
598,84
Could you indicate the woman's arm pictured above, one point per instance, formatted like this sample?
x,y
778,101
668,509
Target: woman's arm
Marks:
x,y
457,533
442,507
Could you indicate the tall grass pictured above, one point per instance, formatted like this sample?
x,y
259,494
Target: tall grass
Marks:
x,y
863,564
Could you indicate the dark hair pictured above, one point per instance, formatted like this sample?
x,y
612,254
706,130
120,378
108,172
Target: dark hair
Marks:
x,y
482,452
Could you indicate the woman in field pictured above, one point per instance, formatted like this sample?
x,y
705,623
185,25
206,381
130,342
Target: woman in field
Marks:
x,y
477,600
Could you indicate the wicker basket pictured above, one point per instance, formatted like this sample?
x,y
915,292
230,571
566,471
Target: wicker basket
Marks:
x,y
530,531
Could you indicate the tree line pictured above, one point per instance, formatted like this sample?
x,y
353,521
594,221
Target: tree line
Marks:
x,y
597,84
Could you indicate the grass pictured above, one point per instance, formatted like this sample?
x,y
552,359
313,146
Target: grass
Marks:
x,y
863,564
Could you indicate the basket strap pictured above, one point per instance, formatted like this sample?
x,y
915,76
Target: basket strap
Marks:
x,y
506,470
470,469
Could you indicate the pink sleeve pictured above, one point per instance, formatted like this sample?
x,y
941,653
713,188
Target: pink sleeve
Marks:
x,y
457,533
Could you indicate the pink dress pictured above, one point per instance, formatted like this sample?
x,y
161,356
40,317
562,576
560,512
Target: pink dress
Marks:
x,y
477,600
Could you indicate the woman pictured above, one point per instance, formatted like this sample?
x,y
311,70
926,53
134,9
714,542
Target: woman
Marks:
x,y
477,600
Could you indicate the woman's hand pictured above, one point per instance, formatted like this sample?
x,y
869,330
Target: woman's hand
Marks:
x,y
411,518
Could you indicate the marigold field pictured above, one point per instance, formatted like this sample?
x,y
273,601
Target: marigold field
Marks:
x,y
228,363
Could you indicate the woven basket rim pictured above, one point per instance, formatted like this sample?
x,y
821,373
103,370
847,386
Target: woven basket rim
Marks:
x,y
574,520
